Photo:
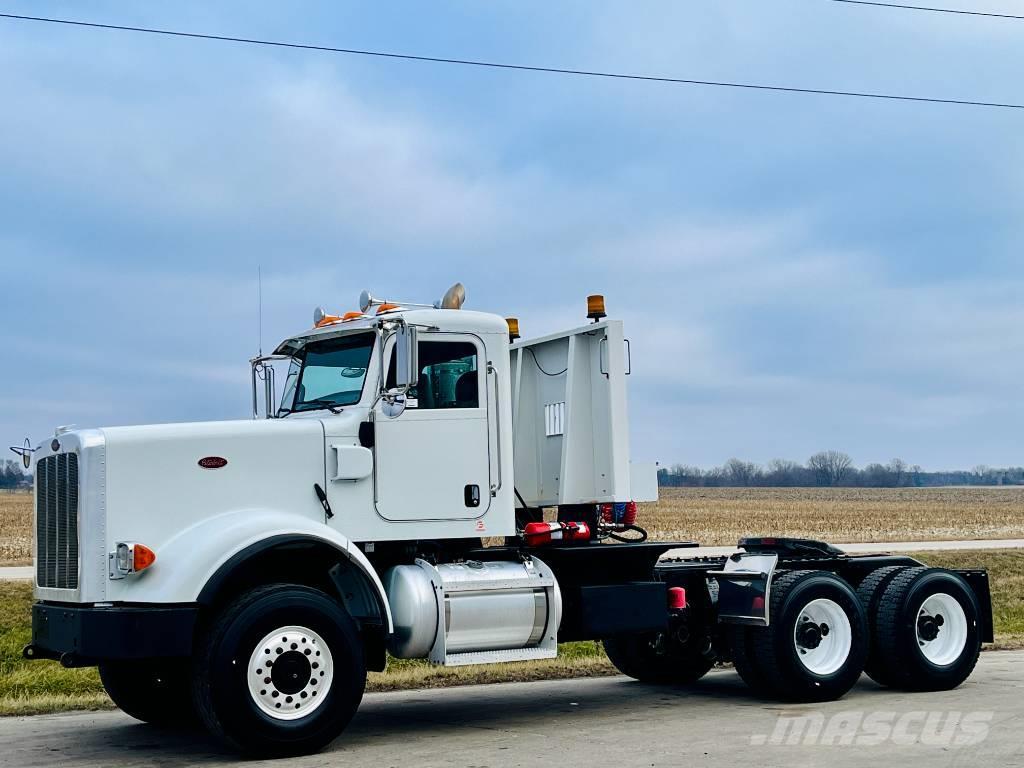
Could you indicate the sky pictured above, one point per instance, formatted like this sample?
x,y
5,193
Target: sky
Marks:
x,y
796,272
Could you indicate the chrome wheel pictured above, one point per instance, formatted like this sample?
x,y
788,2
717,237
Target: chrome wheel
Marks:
x,y
823,636
941,629
290,673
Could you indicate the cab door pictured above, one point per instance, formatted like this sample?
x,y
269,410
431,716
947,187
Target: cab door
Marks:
x,y
433,461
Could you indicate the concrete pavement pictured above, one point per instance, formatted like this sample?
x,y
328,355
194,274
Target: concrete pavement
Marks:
x,y
598,722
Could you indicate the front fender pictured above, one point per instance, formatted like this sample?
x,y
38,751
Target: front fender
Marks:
x,y
187,562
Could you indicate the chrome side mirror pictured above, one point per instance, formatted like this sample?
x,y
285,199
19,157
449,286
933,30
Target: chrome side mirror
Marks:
x,y
393,405
263,370
407,371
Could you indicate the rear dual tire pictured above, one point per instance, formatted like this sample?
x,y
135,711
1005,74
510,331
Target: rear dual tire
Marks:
x,y
815,645
925,628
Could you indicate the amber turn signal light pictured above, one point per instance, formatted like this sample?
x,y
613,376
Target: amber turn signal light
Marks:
x,y
143,557
130,557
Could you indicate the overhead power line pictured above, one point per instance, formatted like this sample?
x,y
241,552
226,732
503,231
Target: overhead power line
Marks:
x,y
517,67
957,11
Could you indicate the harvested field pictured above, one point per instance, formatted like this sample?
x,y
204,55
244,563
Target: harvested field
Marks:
x,y
715,516
719,516
15,528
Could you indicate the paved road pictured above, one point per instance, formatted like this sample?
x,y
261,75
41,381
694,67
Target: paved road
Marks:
x,y
24,573
596,722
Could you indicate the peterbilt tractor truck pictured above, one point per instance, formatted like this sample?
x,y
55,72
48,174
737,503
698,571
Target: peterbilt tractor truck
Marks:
x,y
428,485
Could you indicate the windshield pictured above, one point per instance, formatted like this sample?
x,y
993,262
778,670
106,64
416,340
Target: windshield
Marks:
x,y
328,373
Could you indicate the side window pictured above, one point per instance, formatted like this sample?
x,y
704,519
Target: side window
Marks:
x,y
448,375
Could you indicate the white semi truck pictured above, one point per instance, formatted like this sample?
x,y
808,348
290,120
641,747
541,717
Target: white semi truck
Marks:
x,y
248,573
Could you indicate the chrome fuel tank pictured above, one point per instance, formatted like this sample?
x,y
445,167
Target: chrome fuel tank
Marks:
x,y
473,612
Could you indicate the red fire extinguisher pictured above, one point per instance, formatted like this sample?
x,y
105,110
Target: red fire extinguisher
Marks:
x,y
539,534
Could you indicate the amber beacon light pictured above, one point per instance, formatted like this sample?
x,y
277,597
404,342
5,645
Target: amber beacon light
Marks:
x,y
595,307
513,328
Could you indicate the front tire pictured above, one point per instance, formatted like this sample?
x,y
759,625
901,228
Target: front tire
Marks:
x,y
156,691
279,672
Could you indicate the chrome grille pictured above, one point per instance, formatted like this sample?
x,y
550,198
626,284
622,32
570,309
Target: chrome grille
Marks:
x,y
57,521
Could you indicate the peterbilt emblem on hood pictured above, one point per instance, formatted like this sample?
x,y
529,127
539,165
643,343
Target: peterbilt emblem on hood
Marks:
x,y
212,462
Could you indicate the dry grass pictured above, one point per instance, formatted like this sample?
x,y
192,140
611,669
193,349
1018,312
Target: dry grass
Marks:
x,y
15,528
719,516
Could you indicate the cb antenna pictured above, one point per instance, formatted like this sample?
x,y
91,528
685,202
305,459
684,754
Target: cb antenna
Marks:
x,y
259,304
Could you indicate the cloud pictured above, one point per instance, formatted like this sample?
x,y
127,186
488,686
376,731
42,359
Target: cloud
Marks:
x,y
795,273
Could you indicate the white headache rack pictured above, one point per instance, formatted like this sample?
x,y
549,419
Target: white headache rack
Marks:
x,y
571,429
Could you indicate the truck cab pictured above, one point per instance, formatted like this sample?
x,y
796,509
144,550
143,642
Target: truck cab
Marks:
x,y
417,455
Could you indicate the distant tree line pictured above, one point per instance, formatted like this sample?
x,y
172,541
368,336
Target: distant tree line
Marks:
x,y
832,468
12,476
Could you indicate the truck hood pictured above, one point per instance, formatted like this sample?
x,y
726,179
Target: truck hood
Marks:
x,y
161,479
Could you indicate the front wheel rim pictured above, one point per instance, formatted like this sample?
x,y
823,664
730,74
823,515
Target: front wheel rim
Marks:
x,y
823,637
941,629
290,673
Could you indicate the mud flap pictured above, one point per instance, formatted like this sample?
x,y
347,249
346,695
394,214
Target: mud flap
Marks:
x,y
744,588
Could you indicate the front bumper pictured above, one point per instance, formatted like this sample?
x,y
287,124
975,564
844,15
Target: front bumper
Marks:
x,y
85,635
